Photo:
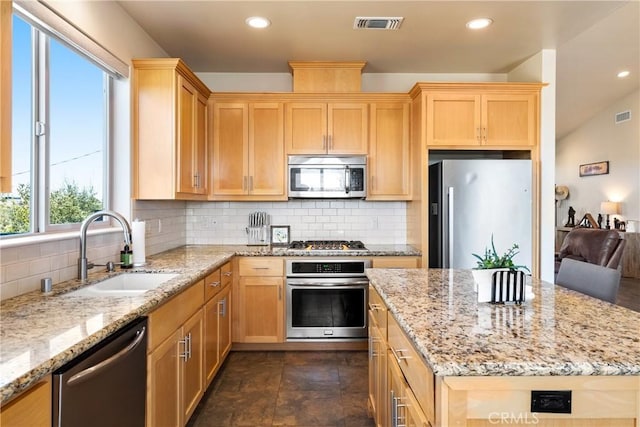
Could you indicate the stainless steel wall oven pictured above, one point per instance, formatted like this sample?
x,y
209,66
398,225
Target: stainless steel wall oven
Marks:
x,y
326,299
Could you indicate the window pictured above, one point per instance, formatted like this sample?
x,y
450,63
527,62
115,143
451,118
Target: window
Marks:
x,y
60,141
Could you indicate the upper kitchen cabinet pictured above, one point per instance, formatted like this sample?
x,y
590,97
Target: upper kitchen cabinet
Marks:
x,y
326,128
248,151
389,151
170,132
487,115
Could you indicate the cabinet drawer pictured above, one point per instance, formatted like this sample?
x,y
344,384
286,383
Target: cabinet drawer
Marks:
x,y
212,284
164,320
378,310
226,273
395,262
418,375
261,266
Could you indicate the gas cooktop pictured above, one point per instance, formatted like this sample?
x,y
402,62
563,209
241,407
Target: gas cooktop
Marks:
x,y
328,245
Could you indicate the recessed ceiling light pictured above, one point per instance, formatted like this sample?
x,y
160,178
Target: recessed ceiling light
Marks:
x,y
623,74
477,24
258,22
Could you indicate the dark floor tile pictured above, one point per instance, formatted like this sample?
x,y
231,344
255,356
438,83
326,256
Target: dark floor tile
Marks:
x,y
354,379
353,358
310,377
237,409
355,410
312,408
310,357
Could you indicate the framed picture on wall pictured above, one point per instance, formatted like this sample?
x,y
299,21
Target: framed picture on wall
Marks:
x,y
279,235
599,168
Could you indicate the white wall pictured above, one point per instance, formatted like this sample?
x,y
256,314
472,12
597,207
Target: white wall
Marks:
x,y
597,140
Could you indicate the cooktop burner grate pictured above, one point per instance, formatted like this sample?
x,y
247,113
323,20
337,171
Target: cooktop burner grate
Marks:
x,y
327,245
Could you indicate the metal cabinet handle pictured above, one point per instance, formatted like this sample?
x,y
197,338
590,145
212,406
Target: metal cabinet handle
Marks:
x,y
251,183
478,134
394,409
223,307
279,292
260,268
330,142
398,417
95,369
484,134
214,284
397,354
324,142
374,307
227,273
244,182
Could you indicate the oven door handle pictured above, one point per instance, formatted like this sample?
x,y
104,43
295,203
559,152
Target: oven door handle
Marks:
x,y
322,284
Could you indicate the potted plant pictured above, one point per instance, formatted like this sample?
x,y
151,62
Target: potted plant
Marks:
x,y
489,263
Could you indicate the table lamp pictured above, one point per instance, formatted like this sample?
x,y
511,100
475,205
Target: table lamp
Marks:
x,y
609,208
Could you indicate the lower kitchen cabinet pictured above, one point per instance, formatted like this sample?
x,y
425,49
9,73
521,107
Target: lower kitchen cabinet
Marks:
x,y
404,409
217,323
32,408
395,262
377,373
260,302
175,376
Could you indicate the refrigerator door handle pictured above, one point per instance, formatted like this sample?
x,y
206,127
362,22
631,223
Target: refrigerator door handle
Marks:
x,y
450,227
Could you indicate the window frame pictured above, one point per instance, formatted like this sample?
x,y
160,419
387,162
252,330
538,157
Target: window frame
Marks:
x,y
40,209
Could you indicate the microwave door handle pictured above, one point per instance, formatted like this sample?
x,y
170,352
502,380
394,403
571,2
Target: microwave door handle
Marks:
x,y
347,179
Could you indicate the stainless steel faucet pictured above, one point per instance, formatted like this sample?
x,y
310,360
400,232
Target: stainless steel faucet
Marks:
x,y
83,264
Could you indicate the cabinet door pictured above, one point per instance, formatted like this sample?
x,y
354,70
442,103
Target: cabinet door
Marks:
x,y
453,119
224,323
347,128
32,408
509,119
164,378
230,145
267,174
192,380
261,309
200,155
377,373
306,128
389,163
186,128
211,340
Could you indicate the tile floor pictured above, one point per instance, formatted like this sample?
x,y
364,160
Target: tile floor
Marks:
x,y
311,389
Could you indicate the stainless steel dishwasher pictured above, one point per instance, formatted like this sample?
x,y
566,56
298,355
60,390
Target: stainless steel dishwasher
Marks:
x,y
106,385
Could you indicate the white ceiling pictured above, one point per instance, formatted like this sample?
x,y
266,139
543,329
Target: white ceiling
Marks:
x,y
593,39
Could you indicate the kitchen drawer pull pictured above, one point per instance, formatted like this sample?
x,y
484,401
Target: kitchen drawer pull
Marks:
x,y
214,284
184,355
398,354
375,307
261,268
227,273
223,307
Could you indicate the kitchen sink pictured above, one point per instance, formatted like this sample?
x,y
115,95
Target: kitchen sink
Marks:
x,y
125,284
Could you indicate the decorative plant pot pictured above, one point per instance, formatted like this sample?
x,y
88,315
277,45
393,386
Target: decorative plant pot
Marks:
x,y
482,279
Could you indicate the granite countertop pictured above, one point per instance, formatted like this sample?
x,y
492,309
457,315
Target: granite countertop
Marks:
x,y
40,332
558,332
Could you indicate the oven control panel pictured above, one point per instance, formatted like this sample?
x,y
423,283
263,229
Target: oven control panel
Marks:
x,y
315,268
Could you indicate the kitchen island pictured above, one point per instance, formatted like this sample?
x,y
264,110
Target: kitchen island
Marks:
x,y
485,360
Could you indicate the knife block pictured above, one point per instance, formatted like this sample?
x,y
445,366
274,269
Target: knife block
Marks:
x,y
257,236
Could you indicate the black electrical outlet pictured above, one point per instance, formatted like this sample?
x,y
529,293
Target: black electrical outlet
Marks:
x,y
551,401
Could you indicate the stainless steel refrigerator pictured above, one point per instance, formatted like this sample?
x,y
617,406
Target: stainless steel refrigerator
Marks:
x,y
471,200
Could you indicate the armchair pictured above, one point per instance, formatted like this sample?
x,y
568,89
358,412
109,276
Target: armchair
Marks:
x,y
592,245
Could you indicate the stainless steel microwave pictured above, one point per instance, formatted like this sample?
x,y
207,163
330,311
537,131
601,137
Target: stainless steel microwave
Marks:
x,y
327,177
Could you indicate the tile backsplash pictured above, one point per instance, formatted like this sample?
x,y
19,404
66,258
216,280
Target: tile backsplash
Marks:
x,y
171,224
371,222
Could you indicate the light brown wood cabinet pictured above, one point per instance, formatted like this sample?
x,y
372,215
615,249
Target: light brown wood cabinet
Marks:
x,y
217,320
170,136
326,128
378,359
259,312
248,151
389,166
404,407
396,262
32,408
175,379
505,118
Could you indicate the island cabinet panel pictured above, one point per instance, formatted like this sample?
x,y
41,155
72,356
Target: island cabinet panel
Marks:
x,y
482,115
169,126
418,375
404,408
379,401
396,262
595,401
326,128
32,408
248,151
217,320
259,309
389,165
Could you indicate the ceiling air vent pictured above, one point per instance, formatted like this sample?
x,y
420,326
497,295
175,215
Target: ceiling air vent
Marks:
x,y
377,23
623,117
